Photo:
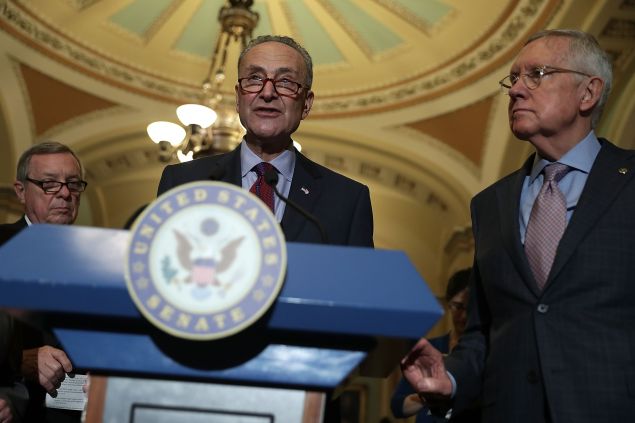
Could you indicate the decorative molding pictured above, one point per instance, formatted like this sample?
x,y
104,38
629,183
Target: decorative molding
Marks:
x,y
619,28
381,174
355,36
18,21
40,36
81,4
293,26
437,144
515,26
121,162
407,15
627,4
85,119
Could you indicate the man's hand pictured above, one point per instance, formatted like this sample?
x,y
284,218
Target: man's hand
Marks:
x,y
6,414
47,366
423,368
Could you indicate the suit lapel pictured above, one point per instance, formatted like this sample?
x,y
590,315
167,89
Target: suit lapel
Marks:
x,y
306,188
20,224
509,209
610,173
231,164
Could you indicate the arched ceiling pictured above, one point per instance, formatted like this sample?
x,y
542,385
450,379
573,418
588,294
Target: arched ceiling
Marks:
x,y
362,49
407,99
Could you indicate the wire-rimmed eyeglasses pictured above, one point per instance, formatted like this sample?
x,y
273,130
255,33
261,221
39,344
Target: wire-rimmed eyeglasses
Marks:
x,y
533,78
283,86
53,187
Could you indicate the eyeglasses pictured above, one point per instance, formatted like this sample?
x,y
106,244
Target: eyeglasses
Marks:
x,y
532,79
456,306
53,187
255,84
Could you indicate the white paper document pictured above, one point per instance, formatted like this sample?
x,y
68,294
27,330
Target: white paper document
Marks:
x,y
70,395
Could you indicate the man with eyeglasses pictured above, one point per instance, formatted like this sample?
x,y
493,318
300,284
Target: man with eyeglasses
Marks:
x,y
49,184
550,335
273,95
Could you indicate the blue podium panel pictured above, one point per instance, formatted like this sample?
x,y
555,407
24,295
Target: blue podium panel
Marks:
x,y
59,268
336,306
275,365
351,290
328,289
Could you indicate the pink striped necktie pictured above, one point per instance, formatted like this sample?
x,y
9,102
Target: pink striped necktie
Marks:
x,y
260,188
547,222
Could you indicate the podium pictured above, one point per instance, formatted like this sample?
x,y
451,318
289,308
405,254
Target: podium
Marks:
x,y
342,311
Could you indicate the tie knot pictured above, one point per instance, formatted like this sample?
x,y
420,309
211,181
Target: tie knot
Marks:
x,y
262,168
556,171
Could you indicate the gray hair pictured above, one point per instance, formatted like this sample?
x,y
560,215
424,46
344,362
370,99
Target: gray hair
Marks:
x,y
585,55
289,42
46,147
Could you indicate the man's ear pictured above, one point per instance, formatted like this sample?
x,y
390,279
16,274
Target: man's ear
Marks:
x,y
308,102
18,187
592,93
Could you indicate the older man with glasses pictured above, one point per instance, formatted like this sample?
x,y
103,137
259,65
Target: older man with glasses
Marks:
x,y
49,184
273,95
550,335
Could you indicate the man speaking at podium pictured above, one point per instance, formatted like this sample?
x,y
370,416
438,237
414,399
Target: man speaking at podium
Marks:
x,y
273,94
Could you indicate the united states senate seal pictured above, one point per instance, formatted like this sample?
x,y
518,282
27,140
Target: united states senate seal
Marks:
x,y
205,260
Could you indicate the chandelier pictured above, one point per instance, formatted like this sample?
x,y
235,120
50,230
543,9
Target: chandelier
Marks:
x,y
211,127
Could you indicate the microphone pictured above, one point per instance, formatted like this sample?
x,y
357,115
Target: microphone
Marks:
x,y
271,179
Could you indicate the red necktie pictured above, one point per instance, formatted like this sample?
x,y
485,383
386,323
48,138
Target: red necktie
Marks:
x,y
547,222
260,188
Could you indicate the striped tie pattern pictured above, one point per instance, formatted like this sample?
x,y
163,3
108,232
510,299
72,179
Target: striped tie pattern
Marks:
x,y
547,222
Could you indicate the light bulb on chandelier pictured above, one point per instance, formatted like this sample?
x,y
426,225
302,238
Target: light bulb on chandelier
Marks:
x,y
214,129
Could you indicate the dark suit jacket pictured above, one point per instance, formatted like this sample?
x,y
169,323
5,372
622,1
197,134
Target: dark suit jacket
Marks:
x,y
9,230
340,204
10,357
10,341
569,351
31,333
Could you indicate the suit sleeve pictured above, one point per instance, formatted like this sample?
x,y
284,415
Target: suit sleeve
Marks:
x,y
402,390
166,181
10,348
466,363
361,229
10,358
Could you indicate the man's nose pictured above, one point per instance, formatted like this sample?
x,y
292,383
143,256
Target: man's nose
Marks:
x,y
519,89
268,89
64,192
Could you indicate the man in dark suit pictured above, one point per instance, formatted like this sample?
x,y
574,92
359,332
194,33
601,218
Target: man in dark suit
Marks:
x,y
550,334
13,395
49,184
273,94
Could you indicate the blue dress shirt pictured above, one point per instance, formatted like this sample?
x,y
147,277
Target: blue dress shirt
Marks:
x,y
284,163
580,158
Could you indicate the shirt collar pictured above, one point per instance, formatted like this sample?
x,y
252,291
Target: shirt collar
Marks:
x,y
580,157
285,162
28,221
